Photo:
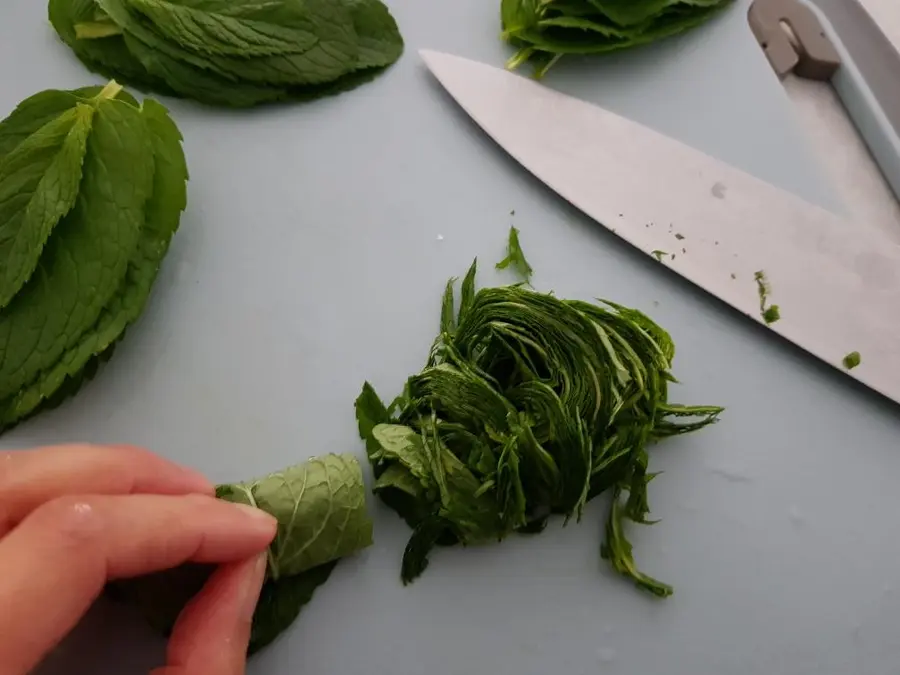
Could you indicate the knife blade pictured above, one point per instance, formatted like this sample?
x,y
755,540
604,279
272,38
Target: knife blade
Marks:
x,y
837,283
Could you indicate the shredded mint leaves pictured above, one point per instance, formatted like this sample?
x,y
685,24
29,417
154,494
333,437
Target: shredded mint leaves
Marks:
x,y
321,510
515,257
92,187
234,53
528,406
543,32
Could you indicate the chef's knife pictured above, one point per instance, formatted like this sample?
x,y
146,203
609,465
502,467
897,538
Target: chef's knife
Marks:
x,y
837,284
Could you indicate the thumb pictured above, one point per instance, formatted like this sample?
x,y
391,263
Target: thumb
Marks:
x,y
212,633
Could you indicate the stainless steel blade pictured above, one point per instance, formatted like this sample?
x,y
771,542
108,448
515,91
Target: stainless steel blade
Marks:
x,y
837,283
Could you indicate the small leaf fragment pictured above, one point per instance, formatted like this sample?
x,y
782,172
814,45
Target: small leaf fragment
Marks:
x,y
769,313
515,257
852,360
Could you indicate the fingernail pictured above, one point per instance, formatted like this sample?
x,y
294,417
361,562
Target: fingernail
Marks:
x,y
252,585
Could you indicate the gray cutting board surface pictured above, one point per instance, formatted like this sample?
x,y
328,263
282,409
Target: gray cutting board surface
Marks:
x,y
312,257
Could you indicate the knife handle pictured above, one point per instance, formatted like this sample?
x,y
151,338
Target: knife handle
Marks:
x,y
837,40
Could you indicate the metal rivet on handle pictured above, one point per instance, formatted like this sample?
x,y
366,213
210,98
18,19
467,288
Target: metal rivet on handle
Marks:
x,y
793,39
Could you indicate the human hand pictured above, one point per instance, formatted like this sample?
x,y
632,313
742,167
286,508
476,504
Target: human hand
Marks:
x,y
73,518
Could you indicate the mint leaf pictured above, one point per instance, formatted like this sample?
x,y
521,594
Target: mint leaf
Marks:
x,y
108,56
229,29
378,37
163,213
237,54
39,182
281,601
85,260
542,32
370,412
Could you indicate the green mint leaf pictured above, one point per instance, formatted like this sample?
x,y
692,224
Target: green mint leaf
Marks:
x,y
108,56
85,261
515,257
39,182
163,212
378,37
397,443
280,603
544,32
38,110
370,412
235,54
228,32
424,538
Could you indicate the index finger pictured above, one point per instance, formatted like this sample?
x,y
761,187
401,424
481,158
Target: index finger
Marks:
x,y
56,563
29,478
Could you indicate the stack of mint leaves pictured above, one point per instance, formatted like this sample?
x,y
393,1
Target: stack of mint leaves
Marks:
x,y
320,506
529,406
545,30
235,53
92,187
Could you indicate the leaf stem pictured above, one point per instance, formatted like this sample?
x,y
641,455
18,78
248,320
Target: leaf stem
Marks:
x,y
96,30
110,91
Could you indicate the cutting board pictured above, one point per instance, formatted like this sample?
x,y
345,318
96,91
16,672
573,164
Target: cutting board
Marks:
x,y
312,257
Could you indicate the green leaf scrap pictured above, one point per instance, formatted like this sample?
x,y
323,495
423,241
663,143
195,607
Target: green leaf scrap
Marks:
x,y
515,257
528,406
852,360
769,313
321,511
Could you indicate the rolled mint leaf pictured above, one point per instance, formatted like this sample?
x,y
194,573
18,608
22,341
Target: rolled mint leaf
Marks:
x,y
321,510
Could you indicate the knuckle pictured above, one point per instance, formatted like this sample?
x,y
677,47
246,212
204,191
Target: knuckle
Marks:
x,y
74,519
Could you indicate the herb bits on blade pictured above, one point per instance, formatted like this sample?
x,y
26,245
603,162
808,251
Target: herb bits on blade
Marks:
x,y
545,31
92,186
528,406
235,53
